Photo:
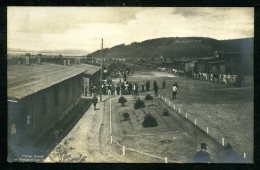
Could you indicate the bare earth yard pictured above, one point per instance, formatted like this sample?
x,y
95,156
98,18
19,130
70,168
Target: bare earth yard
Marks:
x,y
227,112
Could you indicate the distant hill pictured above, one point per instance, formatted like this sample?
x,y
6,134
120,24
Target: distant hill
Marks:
x,y
175,47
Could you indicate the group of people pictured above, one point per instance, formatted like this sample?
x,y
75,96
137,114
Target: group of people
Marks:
x,y
130,88
220,78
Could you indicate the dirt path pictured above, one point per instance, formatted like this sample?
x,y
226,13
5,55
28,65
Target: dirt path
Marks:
x,y
87,136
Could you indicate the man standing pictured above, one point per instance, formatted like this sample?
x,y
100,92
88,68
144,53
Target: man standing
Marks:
x,y
163,83
148,85
155,87
95,100
143,86
174,90
135,88
202,156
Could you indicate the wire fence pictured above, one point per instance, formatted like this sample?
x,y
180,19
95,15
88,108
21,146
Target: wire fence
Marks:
x,y
194,120
126,151
187,116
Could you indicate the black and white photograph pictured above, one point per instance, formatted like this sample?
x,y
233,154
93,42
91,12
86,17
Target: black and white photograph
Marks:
x,y
130,84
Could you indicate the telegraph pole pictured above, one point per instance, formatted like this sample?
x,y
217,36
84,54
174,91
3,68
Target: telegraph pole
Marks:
x,y
101,73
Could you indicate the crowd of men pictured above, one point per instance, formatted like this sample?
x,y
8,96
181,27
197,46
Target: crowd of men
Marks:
x,y
126,87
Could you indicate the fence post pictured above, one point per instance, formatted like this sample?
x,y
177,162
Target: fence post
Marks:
x,y
223,142
165,160
186,115
111,139
244,155
179,110
123,150
195,121
110,119
174,106
165,99
207,130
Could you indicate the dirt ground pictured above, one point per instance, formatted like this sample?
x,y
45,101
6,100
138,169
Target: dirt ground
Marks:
x,y
174,137
227,111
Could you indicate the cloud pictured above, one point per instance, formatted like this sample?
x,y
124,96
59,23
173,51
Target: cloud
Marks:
x,y
62,19
83,27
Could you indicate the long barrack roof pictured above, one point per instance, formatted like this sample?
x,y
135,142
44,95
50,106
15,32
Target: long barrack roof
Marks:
x,y
89,69
24,80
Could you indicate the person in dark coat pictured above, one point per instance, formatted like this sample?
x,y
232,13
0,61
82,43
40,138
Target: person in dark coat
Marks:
x,y
202,156
130,88
148,85
155,87
95,100
136,89
118,89
143,86
163,84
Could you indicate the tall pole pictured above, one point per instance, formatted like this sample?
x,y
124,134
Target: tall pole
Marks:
x,y
101,74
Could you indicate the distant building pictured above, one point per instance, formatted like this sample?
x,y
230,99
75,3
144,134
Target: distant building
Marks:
x,y
186,65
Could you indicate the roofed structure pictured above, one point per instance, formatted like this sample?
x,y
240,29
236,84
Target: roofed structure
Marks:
x,y
89,69
24,80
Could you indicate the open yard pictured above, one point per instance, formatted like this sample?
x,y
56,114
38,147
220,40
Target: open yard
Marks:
x,y
174,137
227,111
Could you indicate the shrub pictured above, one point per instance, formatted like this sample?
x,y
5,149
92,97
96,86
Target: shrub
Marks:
x,y
126,116
122,100
139,104
148,97
149,121
166,112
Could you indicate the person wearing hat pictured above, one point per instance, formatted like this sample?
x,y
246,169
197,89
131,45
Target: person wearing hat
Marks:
x,y
95,100
202,156
174,90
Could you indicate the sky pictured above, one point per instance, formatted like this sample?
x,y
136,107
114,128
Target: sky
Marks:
x,y
82,28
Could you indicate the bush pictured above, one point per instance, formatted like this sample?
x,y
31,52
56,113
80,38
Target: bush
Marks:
x,y
149,121
148,97
139,104
126,116
122,100
165,112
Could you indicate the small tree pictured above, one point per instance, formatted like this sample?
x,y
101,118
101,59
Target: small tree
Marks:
x,y
122,100
126,116
139,104
149,121
165,112
149,97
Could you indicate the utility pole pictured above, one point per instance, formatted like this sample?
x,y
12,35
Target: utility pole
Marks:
x,y
101,73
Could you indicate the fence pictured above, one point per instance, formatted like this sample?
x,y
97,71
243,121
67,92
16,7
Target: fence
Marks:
x,y
193,120
123,148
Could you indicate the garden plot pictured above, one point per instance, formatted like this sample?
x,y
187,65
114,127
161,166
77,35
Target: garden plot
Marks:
x,y
173,137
